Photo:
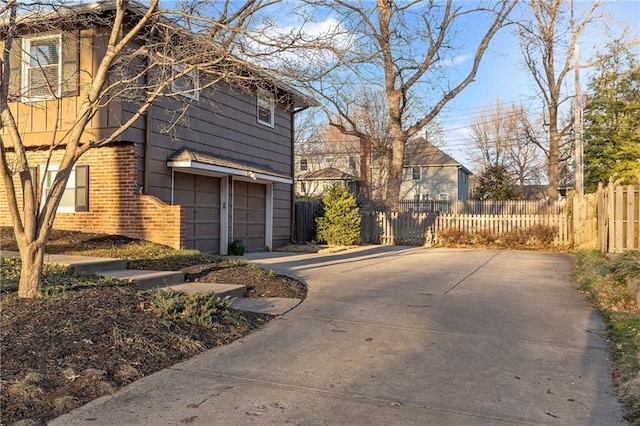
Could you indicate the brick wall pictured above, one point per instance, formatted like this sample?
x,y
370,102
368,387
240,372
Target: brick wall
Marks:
x,y
115,203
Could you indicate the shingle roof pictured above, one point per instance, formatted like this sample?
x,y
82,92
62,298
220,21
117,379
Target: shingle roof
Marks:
x,y
419,152
330,173
186,154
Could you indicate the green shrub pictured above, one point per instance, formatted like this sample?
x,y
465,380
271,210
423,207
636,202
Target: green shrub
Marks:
x,y
200,309
339,219
627,265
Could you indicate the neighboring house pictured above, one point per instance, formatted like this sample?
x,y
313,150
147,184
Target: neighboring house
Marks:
x,y
226,175
317,172
314,184
430,174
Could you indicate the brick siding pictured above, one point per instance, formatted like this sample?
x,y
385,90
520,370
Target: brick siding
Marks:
x,y
116,205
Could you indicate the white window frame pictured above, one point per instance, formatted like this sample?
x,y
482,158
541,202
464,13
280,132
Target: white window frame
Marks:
x,y
306,164
329,161
26,67
413,173
71,186
265,101
444,196
192,75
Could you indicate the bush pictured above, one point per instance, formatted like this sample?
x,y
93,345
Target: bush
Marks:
x,y
199,309
484,238
543,234
339,217
515,238
454,236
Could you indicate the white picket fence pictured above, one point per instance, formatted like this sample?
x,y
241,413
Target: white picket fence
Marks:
x,y
502,224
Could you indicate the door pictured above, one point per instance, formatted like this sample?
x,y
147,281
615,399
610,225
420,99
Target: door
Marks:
x,y
200,197
249,214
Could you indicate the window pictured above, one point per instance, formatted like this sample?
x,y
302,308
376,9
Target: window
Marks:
x,y
416,173
353,164
41,68
444,196
304,165
76,195
266,109
187,85
328,161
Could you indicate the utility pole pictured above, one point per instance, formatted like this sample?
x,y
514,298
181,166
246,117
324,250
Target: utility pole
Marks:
x,y
578,125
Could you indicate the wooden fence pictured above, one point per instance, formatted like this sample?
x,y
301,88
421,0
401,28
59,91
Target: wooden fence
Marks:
x,y
502,224
618,218
608,220
391,228
483,207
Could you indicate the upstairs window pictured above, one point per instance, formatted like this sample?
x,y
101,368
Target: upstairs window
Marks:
x,y
41,68
265,109
187,85
328,161
444,196
76,194
353,164
304,165
415,173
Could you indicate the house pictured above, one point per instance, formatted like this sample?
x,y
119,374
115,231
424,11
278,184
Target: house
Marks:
x,y
221,173
430,174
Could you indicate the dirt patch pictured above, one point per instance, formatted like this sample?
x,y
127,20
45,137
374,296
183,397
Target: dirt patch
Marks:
x,y
68,347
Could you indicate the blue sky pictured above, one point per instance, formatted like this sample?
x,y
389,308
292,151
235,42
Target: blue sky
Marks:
x,y
503,75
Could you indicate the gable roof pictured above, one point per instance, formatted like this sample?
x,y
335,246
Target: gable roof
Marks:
x,y
420,152
330,173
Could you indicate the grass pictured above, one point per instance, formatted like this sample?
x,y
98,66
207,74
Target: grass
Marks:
x,y
604,281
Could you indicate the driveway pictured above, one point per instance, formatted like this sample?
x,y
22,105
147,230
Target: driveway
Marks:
x,y
397,336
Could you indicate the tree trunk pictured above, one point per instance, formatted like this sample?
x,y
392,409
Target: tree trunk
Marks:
x,y
32,258
365,167
395,173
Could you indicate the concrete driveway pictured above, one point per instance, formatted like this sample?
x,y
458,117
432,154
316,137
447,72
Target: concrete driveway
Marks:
x,y
397,336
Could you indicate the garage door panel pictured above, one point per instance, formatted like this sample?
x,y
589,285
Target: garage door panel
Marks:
x,y
249,207
200,197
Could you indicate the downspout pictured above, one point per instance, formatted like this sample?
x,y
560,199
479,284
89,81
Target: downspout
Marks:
x,y
147,152
293,169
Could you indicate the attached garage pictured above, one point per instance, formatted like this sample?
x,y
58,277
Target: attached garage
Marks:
x,y
225,200
200,197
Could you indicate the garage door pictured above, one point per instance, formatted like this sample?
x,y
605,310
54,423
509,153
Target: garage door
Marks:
x,y
200,197
249,207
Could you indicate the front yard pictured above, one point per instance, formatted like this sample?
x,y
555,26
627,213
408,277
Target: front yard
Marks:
x,y
86,336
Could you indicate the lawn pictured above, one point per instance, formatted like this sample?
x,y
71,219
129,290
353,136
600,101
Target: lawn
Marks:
x,y
604,280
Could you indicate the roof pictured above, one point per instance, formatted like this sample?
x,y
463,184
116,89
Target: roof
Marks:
x,y
330,173
189,160
74,14
420,152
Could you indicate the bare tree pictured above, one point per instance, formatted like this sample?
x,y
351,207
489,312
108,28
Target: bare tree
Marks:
x,y
548,40
148,54
502,138
404,50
